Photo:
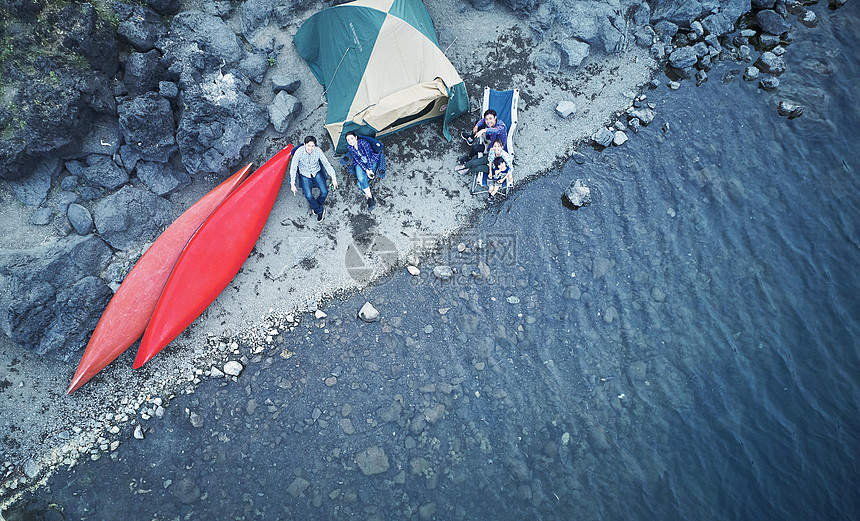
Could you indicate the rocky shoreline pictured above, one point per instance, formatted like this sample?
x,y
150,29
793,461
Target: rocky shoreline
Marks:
x,y
98,157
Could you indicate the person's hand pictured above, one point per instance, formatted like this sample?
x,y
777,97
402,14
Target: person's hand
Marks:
x,y
293,188
334,183
480,133
475,130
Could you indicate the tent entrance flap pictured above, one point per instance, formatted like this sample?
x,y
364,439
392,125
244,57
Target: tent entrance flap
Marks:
x,y
405,106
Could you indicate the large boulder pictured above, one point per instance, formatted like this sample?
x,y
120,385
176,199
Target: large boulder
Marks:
x,y
50,298
218,124
283,110
147,125
90,36
679,12
162,178
772,22
258,14
198,43
33,190
139,26
100,171
143,72
718,24
132,216
599,24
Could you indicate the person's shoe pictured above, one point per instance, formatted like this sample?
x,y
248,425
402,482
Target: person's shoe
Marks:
x,y
491,199
462,159
467,137
461,169
371,203
381,174
321,215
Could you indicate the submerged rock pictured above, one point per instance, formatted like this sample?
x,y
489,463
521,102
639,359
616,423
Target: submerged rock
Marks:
x,y
789,109
372,460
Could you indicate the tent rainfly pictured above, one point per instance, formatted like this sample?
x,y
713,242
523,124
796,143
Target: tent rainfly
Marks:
x,y
381,68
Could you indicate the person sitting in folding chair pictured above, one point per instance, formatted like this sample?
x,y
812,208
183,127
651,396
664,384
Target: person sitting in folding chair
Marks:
x,y
500,175
365,163
481,164
486,130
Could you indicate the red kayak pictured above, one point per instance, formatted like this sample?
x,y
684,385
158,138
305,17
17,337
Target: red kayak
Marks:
x,y
214,256
128,312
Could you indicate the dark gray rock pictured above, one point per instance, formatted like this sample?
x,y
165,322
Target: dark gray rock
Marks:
x,y
573,52
283,81
808,18
132,216
683,58
147,125
698,30
644,115
165,7
578,194
548,60
139,26
143,72
254,66
258,14
751,73
283,110
645,36
642,15
666,29
789,109
198,43
596,23
33,190
50,299
772,22
701,77
62,200
768,41
168,90
769,83
80,219
762,4
162,178
680,12
218,125
100,171
635,125
92,37
603,137
734,9
701,49
41,217
69,183
717,24
104,137
579,158
770,63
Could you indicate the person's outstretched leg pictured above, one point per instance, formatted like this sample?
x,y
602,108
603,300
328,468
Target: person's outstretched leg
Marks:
x,y
307,184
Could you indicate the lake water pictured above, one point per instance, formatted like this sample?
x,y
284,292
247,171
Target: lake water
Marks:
x,y
684,348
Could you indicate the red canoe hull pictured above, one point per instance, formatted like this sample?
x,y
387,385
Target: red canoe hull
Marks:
x,y
213,256
125,318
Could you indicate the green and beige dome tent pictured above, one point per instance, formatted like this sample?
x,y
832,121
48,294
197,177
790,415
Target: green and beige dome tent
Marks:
x,y
381,68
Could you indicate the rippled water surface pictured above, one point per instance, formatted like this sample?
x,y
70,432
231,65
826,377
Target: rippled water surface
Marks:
x,y
684,348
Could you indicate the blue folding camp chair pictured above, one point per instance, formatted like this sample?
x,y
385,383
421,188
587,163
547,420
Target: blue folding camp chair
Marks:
x,y
505,104
377,147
